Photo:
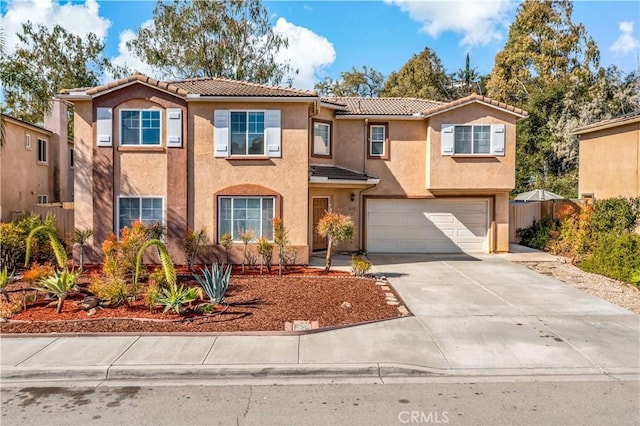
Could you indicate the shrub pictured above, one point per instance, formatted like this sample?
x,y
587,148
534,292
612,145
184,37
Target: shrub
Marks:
x,y
615,215
116,290
215,282
38,272
5,279
226,241
281,239
616,256
151,296
120,255
265,250
359,266
537,235
158,277
245,237
13,247
193,241
13,241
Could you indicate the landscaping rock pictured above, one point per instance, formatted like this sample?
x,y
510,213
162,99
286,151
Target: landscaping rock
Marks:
x,y
91,311
89,303
346,305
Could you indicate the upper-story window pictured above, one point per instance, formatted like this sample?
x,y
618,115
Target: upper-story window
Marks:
x,y
72,158
473,139
42,151
27,141
140,127
247,132
321,138
378,146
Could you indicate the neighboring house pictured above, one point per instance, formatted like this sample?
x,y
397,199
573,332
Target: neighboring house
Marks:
x,y
609,162
36,163
416,175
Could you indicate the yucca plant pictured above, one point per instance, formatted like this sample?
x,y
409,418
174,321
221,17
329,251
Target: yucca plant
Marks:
x,y
215,282
56,245
60,284
5,279
175,297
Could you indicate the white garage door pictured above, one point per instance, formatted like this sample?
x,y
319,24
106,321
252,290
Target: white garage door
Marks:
x,y
428,226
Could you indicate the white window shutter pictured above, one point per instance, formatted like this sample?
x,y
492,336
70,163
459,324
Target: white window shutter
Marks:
x,y
104,126
497,139
221,133
174,127
447,139
273,133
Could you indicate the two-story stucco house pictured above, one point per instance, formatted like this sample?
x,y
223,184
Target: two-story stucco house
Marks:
x,y
36,163
416,175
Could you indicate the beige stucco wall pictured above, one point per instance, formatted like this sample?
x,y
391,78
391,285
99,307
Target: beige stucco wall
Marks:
x,y
609,162
340,202
286,176
22,178
471,173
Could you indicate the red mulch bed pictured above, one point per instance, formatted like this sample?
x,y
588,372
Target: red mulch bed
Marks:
x,y
255,303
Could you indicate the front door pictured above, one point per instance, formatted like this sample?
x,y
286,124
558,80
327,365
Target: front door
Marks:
x,y
320,205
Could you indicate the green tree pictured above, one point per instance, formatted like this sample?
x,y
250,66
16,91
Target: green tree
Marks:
x,y
338,228
423,76
365,83
466,81
231,39
543,47
45,62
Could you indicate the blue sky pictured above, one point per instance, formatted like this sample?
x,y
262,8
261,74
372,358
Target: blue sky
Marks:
x,y
327,37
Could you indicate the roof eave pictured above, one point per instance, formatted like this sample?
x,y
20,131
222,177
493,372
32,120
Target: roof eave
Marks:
x,y
380,117
594,128
452,107
194,97
342,182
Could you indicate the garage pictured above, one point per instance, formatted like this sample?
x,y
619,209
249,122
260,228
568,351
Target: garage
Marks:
x,y
428,226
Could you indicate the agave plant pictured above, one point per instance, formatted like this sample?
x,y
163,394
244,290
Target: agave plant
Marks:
x,y
215,282
174,297
60,284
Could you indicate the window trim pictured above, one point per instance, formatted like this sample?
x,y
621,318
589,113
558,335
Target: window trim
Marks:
x,y
46,198
139,197
472,154
233,197
385,153
139,144
45,152
264,134
27,141
329,124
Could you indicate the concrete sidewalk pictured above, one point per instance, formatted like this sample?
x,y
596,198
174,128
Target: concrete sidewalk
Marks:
x,y
474,316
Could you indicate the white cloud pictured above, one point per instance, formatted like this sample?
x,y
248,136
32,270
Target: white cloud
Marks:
x,y
127,58
308,52
626,42
78,19
479,22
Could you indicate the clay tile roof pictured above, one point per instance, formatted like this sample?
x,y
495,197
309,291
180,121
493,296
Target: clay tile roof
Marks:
x,y
612,122
382,106
474,97
226,87
201,86
337,173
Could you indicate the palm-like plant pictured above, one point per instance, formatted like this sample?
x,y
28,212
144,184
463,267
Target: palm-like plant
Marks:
x,y
80,237
60,284
215,282
167,264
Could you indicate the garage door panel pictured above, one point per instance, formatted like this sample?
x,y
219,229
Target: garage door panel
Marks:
x,y
427,226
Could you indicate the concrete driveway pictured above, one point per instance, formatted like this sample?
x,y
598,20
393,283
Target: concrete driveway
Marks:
x,y
485,311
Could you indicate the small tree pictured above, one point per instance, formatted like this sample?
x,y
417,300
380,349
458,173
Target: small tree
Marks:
x,y
281,239
226,241
193,241
246,237
80,237
265,250
337,228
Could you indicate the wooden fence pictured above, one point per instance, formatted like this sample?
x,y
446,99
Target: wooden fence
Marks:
x,y
63,212
522,215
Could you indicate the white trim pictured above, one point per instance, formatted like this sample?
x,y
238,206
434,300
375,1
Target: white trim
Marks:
x,y
46,198
243,197
46,151
320,179
264,133
384,140
140,144
328,125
